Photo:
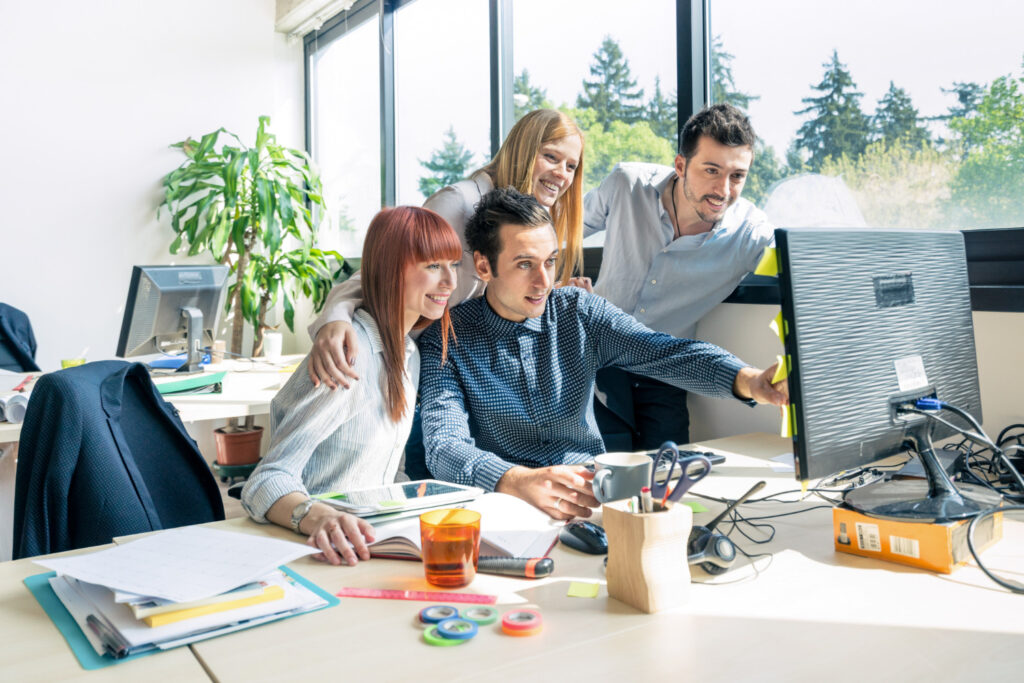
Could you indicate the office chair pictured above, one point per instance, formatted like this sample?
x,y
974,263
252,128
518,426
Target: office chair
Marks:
x,y
103,455
17,343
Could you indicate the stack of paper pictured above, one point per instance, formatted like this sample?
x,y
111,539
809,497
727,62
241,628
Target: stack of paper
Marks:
x,y
178,587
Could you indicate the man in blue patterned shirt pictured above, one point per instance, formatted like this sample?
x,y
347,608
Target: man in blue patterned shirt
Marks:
x,y
511,409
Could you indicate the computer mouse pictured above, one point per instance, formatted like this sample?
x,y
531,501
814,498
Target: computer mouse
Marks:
x,y
584,536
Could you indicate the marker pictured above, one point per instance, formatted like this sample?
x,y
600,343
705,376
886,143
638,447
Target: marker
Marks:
x,y
529,567
646,503
24,383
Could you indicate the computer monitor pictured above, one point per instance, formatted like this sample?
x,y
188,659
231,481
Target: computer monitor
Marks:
x,y
874,320
171,310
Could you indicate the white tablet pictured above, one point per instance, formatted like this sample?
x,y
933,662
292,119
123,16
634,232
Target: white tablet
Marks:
x,y
399,497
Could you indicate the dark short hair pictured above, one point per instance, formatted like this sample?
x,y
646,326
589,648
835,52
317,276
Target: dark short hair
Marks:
x,y
723,123
502,206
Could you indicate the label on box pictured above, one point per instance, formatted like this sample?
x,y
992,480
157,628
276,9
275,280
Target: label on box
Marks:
x,y
908,547
868,537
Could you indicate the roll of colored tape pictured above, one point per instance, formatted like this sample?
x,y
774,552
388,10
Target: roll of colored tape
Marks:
x,y
457,629
432,637
522,633
522,622
481,615
437,613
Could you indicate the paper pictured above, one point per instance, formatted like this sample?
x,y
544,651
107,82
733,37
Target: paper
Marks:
x,y
769,264
783,463
183,564
580,589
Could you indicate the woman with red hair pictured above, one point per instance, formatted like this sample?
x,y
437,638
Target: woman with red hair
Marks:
x,y
325,440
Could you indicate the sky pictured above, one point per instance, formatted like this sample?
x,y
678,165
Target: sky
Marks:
x,y
779,47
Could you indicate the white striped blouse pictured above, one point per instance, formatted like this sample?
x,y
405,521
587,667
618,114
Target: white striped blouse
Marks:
x,y
324,440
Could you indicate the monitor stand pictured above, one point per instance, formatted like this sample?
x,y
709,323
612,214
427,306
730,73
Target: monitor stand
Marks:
x,y
933,499
192,320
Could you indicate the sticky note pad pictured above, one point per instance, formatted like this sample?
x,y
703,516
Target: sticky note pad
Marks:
x,y
769,264
695,506
777,325
581,589
786,430
781,372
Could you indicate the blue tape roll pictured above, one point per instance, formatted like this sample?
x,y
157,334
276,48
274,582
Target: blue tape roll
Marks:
x,y
437,613
457,629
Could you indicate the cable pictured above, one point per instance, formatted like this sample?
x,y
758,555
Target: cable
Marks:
x,y
1012,586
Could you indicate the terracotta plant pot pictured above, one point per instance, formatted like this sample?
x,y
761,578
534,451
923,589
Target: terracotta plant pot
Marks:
x,y
238,448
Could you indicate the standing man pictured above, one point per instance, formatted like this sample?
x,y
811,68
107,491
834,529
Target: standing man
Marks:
x,y
678,242
511,409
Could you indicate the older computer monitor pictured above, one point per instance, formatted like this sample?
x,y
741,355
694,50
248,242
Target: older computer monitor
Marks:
x,y
172,310
874,320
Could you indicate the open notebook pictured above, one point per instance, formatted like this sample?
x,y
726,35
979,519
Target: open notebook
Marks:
x,y
509,527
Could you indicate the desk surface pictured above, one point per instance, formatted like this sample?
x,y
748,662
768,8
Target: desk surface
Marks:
x,y
811,613
249,387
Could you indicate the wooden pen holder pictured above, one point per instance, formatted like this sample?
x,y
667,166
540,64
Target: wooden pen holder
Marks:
x,y
647,567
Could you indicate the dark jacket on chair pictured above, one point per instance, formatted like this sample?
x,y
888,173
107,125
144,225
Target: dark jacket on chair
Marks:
x,y
103,455
17,339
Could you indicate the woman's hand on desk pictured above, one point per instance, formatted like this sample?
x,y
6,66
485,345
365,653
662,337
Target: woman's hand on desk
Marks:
x,y
341,537
333,355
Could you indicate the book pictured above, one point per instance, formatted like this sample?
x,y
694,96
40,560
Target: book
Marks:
x,y
152,606
509,527
267,594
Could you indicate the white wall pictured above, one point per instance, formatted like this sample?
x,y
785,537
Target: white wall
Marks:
x,y
94,92
743,329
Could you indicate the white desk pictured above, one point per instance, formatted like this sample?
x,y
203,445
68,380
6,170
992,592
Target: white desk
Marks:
x,y
813,614
32,649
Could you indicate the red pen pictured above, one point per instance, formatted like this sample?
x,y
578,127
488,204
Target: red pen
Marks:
x,y
24,382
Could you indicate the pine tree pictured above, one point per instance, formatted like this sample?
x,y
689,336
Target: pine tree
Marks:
x,y
447,165
612,93
663,114
896,120
967,97
526,96
723,87
838,125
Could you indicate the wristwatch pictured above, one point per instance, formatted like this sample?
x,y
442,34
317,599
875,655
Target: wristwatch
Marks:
x,y
299,513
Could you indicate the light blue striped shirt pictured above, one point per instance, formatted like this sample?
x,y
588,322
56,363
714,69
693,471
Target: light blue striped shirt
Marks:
x,y
323,440
668,284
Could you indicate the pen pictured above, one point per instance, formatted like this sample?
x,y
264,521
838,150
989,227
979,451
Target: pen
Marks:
x,y
24,383
112,641
646,504
530,567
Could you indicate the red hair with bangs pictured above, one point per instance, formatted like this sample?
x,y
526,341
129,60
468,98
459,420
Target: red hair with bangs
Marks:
x,y
396,238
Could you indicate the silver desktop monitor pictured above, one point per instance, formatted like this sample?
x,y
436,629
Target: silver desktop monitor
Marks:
x,y
873,321
172,310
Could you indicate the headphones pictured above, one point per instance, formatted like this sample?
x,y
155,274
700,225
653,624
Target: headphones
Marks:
x,y
710,550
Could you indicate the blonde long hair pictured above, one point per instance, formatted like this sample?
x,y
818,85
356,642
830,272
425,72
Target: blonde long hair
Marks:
x,y
513,167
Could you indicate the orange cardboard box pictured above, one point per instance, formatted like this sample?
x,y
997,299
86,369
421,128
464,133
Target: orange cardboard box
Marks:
x,y
938,547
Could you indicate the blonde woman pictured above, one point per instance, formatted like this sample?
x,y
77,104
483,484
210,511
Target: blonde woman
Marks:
x,y
542,156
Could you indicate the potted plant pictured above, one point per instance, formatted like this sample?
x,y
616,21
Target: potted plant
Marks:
x,y
251,208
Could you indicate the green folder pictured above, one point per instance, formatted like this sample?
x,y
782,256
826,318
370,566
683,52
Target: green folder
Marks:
x,y
205,383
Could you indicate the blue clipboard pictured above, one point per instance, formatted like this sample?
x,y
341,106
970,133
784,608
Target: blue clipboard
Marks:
x,y
39,586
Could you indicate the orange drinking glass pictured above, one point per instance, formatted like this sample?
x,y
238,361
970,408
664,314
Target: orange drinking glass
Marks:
x,y
451,546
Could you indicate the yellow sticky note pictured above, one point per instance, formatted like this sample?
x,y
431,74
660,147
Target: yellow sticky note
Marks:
x,y
786,429
781,371
777,325
769,264
581,589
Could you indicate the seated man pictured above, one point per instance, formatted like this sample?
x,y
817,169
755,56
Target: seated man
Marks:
x,y
511,409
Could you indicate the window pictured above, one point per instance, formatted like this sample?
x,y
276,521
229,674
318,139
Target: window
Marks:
x,y
442,95
897,114
615,72
345,131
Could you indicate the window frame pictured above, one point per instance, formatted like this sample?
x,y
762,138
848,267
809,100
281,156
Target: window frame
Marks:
x,y
995,258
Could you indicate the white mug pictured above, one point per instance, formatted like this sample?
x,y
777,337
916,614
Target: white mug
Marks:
x,y
272,343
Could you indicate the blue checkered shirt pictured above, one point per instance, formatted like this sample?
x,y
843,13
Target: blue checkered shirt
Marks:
x,y
522,393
